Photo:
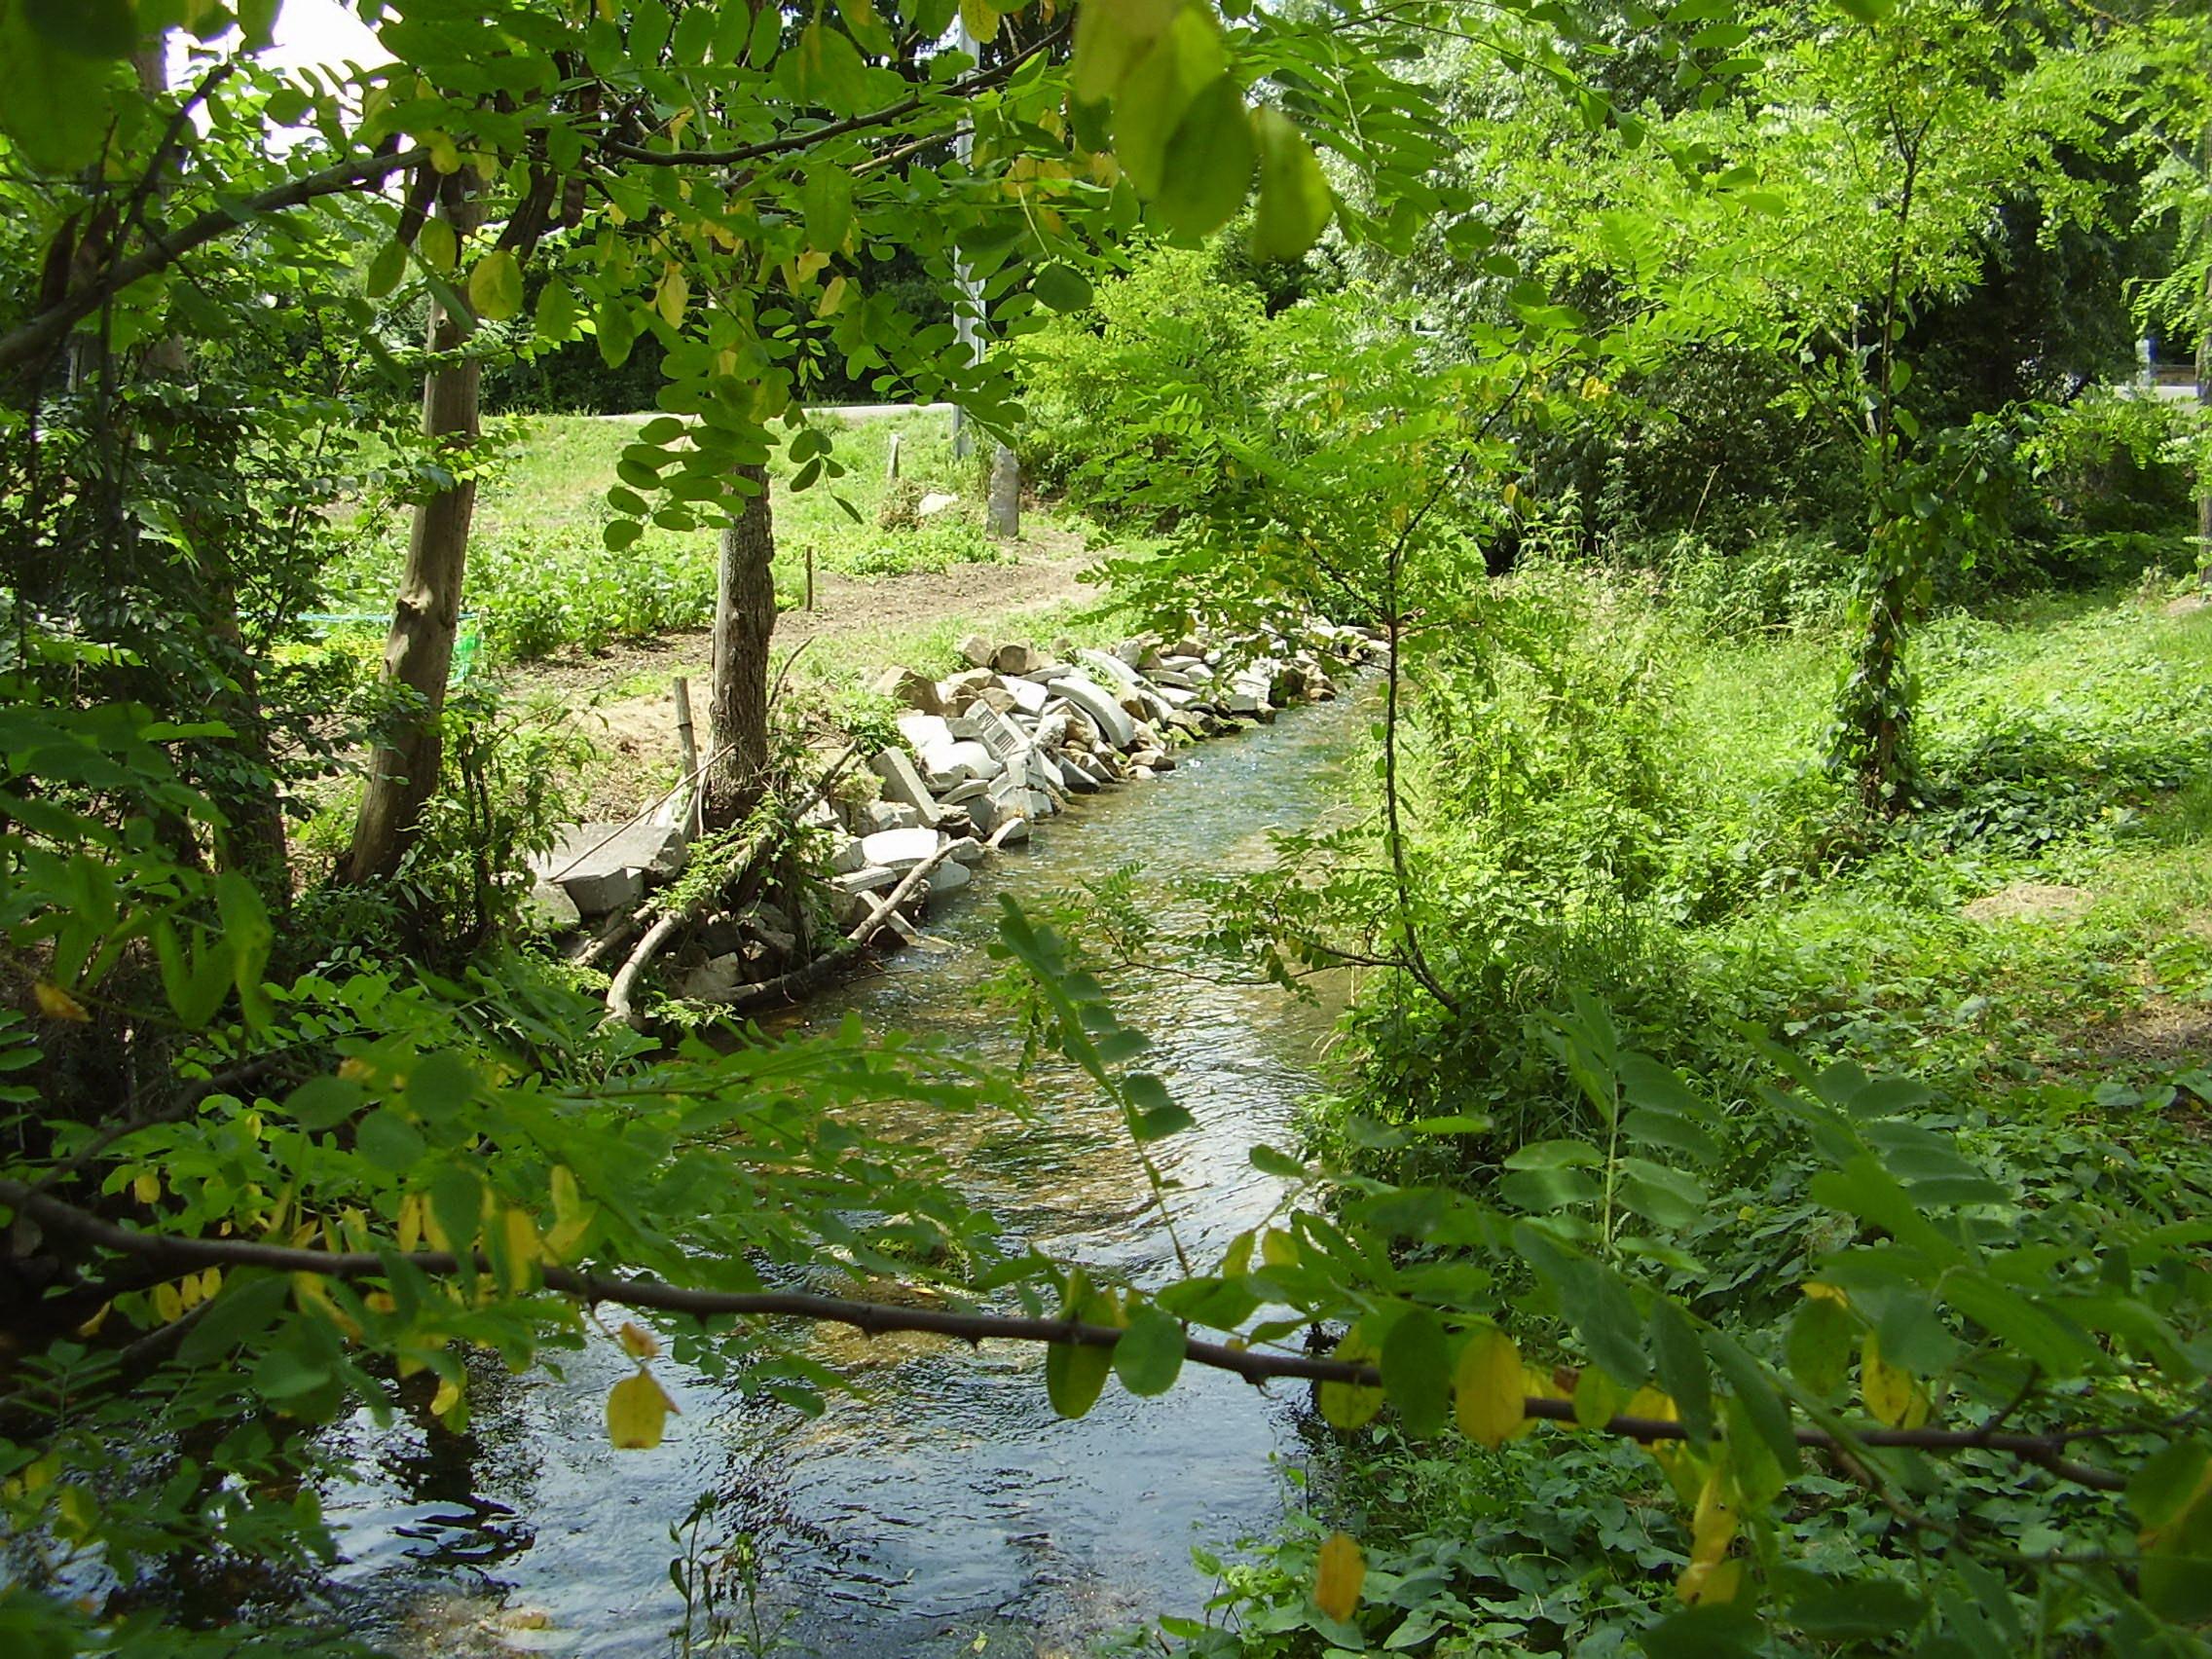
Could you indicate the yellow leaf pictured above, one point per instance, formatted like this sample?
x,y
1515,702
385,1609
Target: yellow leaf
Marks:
x,y
354,1069
982,18
1488,1386
91,1327
638,1341
168,1305
832,297
147,1187
1819,1292
672,297
446,1398
637,1412
210,1281
1338,1576
524,1251
1887,1389
1714,1582
410,1210
1278,1250
57,1003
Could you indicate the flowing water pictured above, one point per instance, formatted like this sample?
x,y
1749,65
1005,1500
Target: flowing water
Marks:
x,y
946,1509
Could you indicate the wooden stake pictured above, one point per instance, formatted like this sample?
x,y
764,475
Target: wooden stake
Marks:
x,y
687,743
810,578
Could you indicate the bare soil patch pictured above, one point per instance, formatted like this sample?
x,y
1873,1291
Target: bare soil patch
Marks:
x,y
633,737
2033,901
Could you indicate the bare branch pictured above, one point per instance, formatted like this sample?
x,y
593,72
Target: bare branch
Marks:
x,y
1256,1366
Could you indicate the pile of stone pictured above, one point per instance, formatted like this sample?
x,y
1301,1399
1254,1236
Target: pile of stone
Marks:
x,y
1015,735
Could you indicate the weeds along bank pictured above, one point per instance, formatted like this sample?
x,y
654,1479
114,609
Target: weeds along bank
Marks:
x,y
1667,945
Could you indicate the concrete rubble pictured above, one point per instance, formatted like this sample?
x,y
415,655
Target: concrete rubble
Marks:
x,y
1017,734
983,755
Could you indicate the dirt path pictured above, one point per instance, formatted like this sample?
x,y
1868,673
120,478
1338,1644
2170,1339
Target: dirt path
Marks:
x,y
634,736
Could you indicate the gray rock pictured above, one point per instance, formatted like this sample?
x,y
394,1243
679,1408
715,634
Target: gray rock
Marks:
x,y
869,878
1075,774
907,685
1016,659
960,795
1015,829
924,732
977,649
902,785
1110,670
960,688
848,857
967,850
1029,697
934,502
999,735
900,850
549,906
1159,759
1104,712
947,878
715,979
604,866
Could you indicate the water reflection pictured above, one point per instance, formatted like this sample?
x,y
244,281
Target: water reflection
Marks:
x,y
945,1505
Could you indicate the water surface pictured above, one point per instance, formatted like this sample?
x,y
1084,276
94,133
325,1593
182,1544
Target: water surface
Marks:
x,y
946,1509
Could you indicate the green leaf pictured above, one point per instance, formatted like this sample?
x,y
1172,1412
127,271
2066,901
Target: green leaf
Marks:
x,y
390,1141
436,244
1075,1374
1111,40
1678,1361
1295,201
1768,1411
284,1375
1187,57
440,1085
1209,162
243,1308
617,332
1062,287
1417,1372
1820,1347
325,1102
1347,1405
555,320
386,268
2162,1488
1150,1354
495,286
90,28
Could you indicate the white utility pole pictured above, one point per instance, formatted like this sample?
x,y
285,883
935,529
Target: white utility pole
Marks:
x,y
1002,510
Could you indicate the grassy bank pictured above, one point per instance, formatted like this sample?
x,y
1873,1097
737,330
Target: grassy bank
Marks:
x,y
1615,800
541,581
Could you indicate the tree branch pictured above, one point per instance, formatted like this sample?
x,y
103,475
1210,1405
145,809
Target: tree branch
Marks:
x,y
30,342
967,87
2047,1451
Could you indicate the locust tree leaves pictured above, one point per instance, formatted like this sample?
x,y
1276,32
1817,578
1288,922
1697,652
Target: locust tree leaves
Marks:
x,y
1184,132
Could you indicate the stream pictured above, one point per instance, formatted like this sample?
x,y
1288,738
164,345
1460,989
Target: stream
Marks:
x,y
944,1509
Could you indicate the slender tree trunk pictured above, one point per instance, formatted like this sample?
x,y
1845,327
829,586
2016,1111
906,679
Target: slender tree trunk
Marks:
x,y
419,654
745,618
2205,390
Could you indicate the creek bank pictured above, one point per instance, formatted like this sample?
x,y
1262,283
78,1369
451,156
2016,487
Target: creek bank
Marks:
x,y
984,753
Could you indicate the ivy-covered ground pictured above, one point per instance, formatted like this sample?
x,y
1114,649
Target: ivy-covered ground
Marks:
x,y
2030,951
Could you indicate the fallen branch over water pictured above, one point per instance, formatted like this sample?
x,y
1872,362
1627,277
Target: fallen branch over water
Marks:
x,y
2048,1451
789,987
622,990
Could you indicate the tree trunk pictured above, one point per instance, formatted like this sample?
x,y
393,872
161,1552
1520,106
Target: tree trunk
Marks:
x,y
419,654
745,618
1003,507
2205,401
